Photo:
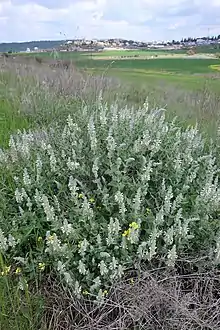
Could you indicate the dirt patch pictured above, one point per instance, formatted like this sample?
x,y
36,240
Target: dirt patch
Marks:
x,y
149,57
133,57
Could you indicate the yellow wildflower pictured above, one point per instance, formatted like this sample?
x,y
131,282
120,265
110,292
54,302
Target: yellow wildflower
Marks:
x,y
134,225
80,195
126,232
131,280
40,239
105,292
41,266
148,211
50,238
85,292
92,200
18,271
6,270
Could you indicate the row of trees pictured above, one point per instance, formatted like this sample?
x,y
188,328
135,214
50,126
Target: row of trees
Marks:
x,y
213,38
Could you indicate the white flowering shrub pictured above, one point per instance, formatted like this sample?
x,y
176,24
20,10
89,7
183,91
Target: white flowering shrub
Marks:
x,y
98,196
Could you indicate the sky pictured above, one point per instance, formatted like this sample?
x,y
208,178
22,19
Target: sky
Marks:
x,y
144,20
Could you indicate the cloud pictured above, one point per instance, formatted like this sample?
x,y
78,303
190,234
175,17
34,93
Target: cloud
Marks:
x,y
45,3
134,19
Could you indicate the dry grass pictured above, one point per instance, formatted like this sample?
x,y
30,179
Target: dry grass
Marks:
x,y
44,85
156,300
60,77
46,95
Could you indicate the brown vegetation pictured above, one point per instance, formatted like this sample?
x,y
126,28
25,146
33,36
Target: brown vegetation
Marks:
x,y
63,64
33,60
58,77
191,51
158,300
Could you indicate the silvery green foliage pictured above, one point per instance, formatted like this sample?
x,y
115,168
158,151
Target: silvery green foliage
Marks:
x,y
115,187
22,144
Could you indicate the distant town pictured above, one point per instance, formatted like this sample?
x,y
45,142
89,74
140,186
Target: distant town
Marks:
x,y
106,44
131,44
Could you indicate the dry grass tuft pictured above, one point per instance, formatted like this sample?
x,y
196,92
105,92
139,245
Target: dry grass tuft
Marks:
x,y
152,302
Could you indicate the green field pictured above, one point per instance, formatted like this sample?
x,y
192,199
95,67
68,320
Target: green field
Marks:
x,y
152,52
177,66
178,71
183,71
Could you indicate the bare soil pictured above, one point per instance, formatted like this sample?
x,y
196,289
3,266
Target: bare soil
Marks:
x,y
144,57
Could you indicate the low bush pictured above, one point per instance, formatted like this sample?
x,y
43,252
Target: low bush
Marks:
x,y
113,188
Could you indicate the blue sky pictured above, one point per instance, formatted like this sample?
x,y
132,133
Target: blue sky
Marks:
x,y
24,20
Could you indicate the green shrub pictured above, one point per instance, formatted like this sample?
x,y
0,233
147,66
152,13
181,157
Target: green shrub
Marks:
x,y
111,189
